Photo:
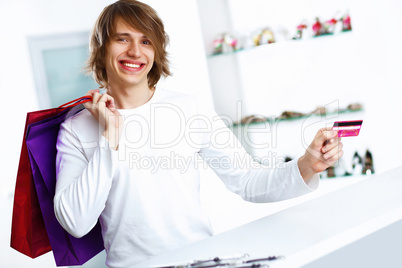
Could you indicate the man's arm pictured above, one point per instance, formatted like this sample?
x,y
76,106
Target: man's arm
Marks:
x,y
82,186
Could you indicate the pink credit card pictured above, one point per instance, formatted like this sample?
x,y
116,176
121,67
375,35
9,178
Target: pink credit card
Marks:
x,y
348,128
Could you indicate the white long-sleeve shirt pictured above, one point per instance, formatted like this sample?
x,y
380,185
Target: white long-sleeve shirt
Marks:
x,y
146,194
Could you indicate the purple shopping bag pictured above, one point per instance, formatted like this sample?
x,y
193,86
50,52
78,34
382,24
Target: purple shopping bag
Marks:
x,y
41,139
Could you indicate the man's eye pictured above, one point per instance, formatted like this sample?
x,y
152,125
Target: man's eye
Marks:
x,y
122,40
146,42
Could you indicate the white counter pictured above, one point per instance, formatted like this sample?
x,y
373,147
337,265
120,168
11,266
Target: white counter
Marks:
x,y
308,232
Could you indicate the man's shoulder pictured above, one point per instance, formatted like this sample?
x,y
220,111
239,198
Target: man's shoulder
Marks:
x,y
82,121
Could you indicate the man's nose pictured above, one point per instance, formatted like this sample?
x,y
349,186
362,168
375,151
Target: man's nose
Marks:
x,y
134,50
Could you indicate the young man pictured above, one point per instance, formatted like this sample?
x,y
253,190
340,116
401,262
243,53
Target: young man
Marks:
x,y
131,158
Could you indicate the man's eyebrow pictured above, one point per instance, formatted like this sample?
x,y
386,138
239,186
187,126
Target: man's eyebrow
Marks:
x,y
120,34
127,35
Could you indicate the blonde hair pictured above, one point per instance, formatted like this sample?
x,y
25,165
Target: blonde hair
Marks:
x,y
141,17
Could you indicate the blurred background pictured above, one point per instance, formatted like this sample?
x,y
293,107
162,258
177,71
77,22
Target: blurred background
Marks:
x,y
288,66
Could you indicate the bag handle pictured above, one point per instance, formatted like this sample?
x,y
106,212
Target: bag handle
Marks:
x,y
76,102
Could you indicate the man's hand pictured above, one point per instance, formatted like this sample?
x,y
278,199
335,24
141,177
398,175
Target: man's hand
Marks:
x,y
322,153
103,109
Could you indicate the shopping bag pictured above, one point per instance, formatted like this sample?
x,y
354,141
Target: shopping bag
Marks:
x,y
28,232
41,141
35,229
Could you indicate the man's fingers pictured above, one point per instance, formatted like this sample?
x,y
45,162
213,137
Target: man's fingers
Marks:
x,y
330,144
333,152
91,92
95,97
328,152
106,98
109,101
331,161
315,153
323,135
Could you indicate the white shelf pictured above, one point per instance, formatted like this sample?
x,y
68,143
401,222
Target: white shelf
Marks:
x,y
288,44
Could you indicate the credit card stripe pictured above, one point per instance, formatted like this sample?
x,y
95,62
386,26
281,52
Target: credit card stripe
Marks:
x,y
348,123
349,127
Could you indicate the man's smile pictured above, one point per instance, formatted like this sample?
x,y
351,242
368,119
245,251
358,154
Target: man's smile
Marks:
x,y
131,65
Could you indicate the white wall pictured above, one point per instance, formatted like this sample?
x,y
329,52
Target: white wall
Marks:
x,y
22,18
360,66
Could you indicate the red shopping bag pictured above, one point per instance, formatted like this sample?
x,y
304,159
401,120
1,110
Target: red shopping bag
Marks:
x,y
28,232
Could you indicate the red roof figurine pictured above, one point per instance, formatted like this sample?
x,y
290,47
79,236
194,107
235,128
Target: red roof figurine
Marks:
x,y
317,28
346,24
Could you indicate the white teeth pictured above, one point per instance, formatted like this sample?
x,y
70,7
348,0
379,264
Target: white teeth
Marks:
x,y
131,65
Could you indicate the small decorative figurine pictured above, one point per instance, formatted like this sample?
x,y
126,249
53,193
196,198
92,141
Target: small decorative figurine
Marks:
x,y
253,119
329,26
368,167
218,45
290,115
355,106
357,164
320,110
318,28
230,41
266,36
346,24
256,38
224,43
299,31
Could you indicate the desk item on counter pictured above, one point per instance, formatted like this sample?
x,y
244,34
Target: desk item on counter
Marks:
x,y
237,261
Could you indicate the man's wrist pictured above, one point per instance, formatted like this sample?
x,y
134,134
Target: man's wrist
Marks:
x,y
113,138
305,168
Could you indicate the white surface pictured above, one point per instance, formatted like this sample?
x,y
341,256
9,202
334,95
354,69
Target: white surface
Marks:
x,y
372,203
227,210
360,252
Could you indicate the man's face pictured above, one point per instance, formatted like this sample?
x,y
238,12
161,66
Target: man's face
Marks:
x,y
129,57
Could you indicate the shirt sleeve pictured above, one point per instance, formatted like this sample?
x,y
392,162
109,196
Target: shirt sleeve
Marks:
x,y
83,184
242,175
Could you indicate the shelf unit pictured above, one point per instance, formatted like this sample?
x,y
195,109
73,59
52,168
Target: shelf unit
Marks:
x,y
283,76
261,77
293,75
